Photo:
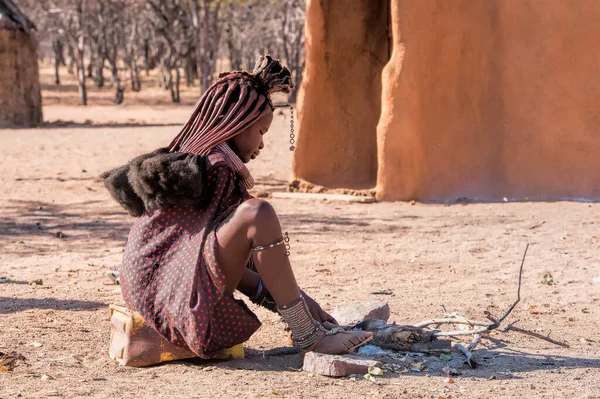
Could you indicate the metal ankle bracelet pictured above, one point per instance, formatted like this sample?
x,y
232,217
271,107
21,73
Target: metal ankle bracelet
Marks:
x,y
283,240
306,331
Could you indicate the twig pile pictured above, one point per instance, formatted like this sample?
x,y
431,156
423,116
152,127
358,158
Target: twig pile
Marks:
x,y
481,328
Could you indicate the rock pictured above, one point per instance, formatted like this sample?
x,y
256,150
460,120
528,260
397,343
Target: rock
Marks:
x,y
336,365
352,313
37,281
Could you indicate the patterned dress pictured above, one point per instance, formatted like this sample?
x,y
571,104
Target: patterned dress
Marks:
x,y
170,274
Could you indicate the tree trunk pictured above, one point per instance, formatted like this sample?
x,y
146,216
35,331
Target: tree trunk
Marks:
x,y
56,75
177,81
147,57
90,69
235,55
134,75
117,85
206,47
170,85
164,75
99,78
57,49
138,80
174,86
81,72
189,71
60,51
70,60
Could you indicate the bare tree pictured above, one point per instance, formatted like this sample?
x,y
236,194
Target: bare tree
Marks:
x,y
171,36
59,58
208,25
255,27
293,14
173,26
69,21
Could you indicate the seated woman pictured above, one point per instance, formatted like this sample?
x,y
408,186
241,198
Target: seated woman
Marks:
x,y
200,235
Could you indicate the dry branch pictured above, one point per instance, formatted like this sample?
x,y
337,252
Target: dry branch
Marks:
x,y
468,354
512,327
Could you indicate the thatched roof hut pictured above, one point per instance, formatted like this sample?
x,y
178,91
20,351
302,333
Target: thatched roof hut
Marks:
x,y
20,98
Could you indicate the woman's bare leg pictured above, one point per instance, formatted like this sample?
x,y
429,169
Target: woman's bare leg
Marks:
x,y
255,223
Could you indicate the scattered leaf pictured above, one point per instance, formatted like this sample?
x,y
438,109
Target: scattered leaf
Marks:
x,y
445,357
47,377
37,281
548,279
294,369
56,269
74,282
448,380
533,309
571,319
375,371
418,366
275,393
7,363
585,310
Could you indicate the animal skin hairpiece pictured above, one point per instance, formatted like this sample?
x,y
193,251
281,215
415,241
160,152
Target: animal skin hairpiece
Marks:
x,y
292,135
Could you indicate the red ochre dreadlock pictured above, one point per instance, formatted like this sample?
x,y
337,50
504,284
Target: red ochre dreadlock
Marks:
x,y
234,102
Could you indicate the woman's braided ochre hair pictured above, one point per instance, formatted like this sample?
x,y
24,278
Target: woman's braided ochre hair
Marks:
x,y
235,101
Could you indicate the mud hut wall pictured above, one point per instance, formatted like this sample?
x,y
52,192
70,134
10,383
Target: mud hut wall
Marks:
x,y
339,101
491,99
20,98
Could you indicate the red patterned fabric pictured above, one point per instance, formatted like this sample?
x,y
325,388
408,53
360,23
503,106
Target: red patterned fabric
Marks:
x,y
170,274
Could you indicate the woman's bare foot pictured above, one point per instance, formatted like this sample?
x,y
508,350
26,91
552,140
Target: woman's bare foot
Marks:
x,y
342,342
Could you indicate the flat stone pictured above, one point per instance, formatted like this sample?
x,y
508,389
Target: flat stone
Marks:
x,y
352,313
337,365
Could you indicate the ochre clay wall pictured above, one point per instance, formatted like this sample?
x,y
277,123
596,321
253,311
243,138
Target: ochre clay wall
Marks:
x,y
339,101
490,99
20,98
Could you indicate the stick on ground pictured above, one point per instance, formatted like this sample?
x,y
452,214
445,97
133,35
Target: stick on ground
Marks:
x,y
512,327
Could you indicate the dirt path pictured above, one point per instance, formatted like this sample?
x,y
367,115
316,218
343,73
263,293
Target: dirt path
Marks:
x,y
58,224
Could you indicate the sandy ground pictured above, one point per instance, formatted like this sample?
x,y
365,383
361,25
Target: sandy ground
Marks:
x,y
58,224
